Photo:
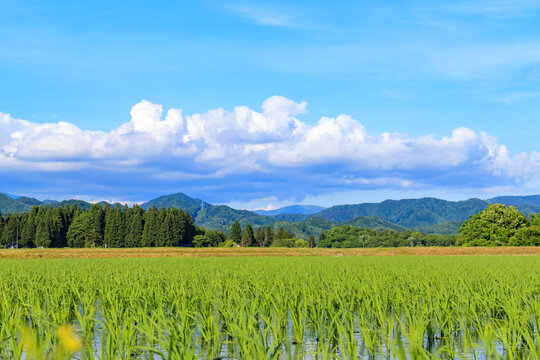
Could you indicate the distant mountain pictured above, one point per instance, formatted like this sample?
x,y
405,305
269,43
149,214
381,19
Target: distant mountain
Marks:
x,y
28,201
10,205
409,213
24,204
316,225
81,204
180,201
312,226
291,217
428,215
530,200
293,209
221,217
374,222
444,228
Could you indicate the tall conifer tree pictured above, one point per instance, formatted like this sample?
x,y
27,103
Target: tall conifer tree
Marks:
x,y
259,236
248,238
1,226
150,228
28,232
136,227
268,236
43,231
236,232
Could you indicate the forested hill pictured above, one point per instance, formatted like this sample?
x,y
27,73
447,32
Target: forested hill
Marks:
x,y
293,209
221,217
428,215
409,213
178,201
24,204
526,204
9,205
413,213
530,200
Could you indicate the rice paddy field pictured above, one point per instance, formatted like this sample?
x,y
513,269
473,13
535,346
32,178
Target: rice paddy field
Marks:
x,y
274,307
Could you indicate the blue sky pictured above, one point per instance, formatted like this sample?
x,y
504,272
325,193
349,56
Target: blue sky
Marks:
x,y
415,70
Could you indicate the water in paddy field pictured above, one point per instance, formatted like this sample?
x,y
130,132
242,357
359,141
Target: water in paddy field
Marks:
x,y
281,308
285,345
395,346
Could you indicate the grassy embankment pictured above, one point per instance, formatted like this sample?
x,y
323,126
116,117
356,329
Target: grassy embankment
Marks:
x,y
240,252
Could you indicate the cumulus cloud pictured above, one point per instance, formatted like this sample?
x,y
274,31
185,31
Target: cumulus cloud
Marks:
x,y
243,153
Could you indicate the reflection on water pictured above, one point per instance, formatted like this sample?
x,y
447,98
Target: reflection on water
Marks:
x,y
331,342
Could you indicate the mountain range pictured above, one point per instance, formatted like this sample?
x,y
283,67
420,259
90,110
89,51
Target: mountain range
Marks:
x,y
293,209
427,215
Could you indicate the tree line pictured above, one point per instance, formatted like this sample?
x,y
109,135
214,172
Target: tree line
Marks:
x,y
99,226
117,226
108,226
248,237
348,236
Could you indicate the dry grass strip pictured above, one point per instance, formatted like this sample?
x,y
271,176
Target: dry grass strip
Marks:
x,y
236,252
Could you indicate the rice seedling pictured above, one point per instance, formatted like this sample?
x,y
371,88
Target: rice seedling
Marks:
x,y
271,308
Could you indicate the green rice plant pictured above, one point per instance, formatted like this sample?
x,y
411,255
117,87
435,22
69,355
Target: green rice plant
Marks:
x,y
273,308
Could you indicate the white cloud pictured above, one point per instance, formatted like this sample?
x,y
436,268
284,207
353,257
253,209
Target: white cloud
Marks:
x,y
272,147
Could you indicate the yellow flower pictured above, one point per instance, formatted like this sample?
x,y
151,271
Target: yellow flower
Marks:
x,y
29,342
68,339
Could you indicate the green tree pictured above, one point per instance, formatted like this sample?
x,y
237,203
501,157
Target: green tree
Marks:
x,y
285,242
527,235
98,222
216,237
58,228
279,235
151,227
268,236
312,241
535,220
190,230
345,236
301,243
236,232
11,231
178,226
259,236
494,226
201,241
248,238
114,227
77,232
162,228
282,234
43,232
209,238
166,236
28,231
363,239
127,213
135,228
2,224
